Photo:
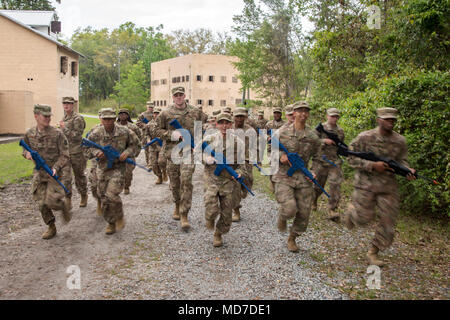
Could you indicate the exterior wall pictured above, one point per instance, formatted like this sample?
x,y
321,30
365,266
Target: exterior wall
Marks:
x,y
16,107
204,65
29,62
67,85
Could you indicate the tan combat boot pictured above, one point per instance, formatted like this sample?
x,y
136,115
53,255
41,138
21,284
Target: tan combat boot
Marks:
x,y
292,246
99,207
120,223
184,222
50,233
372,255
67,210
176,212
281,224
348,221
164,177
126,191
159,181
236,215
209,224
111,228
83,202
333,215
314,204
217,242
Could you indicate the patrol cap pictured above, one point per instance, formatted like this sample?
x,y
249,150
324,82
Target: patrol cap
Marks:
x,y
124,110
333,112
261,112
157,110
240,111
177,90
150,104
216,112
68,100
289,110
277,109
43,109
226,110
107,113
210,118
300,104
387,113
224,116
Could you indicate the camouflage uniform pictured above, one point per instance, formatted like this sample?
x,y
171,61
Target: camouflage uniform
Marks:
x,y
325,170
273,125
141,124
295,194
180,175
92,177
373,189
111,181
74,126
52,146
157,152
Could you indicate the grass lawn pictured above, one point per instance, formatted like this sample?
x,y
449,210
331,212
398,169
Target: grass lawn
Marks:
x,y
14,167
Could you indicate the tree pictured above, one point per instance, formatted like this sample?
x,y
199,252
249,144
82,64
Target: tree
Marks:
x,y
26,5
198,41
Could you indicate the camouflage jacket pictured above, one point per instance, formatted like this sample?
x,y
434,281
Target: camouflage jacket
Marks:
x,y
306,144
138,133
330,151
74,126
122,139
221,145
272,124
186,117
261,123
147,115
250,122
245,136
150,133
52,146
392,147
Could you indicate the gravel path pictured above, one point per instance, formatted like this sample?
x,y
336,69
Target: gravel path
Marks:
x,y
152,258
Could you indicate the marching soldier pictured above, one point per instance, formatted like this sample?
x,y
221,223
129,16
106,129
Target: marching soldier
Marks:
x,y
157,156
294,194
261,122
211,124
274,124
375,184
92,177
250,121
124,119
111,181
221,192
73,125
53,147
326,170
144,118
180,175
289,114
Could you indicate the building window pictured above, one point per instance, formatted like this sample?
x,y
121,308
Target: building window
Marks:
x,y
211,78
187,78
64,64
74,68
182,79
199,77
174,79
223,79
210,102
223,103
238,101
165,103
234,80
163,81
200,102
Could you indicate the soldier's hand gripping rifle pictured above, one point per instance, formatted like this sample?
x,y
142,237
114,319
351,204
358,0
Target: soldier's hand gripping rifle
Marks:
x,y
111,154
152,142
342,147
297,163
40,163
220,160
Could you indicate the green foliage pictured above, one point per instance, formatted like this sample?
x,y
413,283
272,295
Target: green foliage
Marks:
x,y
14,166
26,5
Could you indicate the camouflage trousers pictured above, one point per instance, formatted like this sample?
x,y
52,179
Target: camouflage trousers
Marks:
x,y
219,201
295,203
129,168
362,211
334,177
158,161
78,165
180,184
93,178
248,180
49,195
147,157
110,185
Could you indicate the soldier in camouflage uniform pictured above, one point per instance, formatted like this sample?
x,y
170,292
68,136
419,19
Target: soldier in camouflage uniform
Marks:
x,y
180,175
92,177
210,124
294,194
240,117
111,181
261,122
250,121
53,147
289,114
72,125
157,154
221,192
142,120
274,124
325,170
124,119
375,184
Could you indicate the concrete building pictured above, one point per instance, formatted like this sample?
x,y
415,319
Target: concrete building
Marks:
x,y
210,81
34,68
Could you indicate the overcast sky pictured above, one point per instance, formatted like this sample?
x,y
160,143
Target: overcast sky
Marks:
x,y
216,15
